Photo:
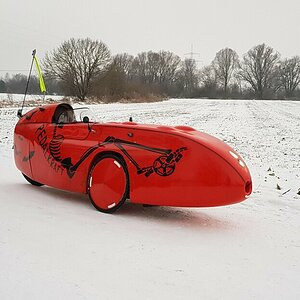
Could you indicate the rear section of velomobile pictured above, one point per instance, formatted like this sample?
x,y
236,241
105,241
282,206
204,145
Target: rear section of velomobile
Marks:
x,y
207,173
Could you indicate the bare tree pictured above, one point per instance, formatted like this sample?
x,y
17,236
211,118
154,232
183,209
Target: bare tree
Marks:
x,y
123,63
208,76
153,62
208,81
257,68
140,67
224,64
189,77
114,83
168,67
17,83
158,70
289,75
77,62
2,86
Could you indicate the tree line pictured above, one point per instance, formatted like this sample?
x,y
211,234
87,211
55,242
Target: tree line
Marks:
x,y
85,68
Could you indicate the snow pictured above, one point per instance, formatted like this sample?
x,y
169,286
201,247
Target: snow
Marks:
x,y
55,245
15,98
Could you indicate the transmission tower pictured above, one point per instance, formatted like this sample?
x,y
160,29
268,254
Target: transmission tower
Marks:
x,y
192,55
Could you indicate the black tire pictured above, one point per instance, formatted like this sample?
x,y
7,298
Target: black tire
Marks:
x,y
32,181
123,167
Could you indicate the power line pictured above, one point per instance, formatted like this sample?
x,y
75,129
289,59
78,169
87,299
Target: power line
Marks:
x,y
192,53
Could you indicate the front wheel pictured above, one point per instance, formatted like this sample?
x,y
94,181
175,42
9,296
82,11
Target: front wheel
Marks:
x,y
108,183
32,181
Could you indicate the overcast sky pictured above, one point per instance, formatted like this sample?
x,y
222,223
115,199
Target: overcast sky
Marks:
x,y
134,26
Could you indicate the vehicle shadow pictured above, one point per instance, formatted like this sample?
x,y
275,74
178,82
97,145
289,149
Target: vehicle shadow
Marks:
x,y
192,218
58,195
175,216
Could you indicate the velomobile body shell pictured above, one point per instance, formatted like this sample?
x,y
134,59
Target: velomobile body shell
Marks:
x,y
170,166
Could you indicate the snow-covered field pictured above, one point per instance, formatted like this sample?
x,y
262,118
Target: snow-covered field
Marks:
x,y
20,97
13,100
55,245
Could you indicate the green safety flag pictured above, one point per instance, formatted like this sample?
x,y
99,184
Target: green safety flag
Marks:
x,y
42,83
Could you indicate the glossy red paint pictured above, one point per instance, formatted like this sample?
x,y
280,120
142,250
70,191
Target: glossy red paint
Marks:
x,y
171,166
107,183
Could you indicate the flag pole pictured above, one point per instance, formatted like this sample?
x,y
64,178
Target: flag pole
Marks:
x,y
19,114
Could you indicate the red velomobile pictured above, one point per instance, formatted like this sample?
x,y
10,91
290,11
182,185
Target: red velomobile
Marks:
x,y
59,146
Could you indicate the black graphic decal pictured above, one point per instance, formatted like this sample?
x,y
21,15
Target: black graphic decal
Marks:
x,y
54,145
68,165
29,157
164,165
19,153
42,140
28,117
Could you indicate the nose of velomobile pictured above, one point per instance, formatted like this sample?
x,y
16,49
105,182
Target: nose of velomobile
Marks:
x,y
221,174
231,173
